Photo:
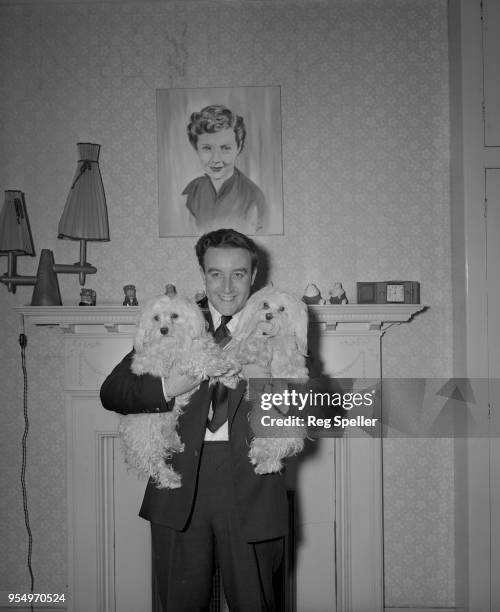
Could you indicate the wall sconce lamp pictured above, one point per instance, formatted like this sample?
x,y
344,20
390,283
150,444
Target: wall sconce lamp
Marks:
x,y
15,238
85,218
85,215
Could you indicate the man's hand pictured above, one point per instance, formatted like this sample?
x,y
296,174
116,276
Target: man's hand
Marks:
x,y
177,384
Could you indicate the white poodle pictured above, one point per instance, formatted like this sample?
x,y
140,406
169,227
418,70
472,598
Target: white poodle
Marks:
x,y
272,334
171,334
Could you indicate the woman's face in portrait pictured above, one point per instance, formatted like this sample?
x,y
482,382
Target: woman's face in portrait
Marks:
x,y
218,153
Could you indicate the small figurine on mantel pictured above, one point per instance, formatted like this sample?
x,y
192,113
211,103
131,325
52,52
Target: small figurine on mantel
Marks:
x,y
87,297
337,294
312,295
130,296
170,290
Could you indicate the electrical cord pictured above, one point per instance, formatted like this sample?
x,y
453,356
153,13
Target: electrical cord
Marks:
x,y
23,341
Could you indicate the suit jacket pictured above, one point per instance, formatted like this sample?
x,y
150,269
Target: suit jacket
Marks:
x,y
261,499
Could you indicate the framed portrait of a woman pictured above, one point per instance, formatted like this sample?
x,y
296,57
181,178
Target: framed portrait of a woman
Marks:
x,y
219,160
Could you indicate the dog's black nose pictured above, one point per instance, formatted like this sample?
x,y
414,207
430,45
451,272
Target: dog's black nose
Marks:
x,y
269,316
163,331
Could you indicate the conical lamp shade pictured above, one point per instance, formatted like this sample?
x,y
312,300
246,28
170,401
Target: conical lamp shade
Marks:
x,y
85,215
46,292
15,232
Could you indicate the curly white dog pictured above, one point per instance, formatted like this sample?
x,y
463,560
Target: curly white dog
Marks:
x,y
171,334
272,334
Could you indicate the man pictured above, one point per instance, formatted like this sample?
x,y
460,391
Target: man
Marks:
x,y
223,511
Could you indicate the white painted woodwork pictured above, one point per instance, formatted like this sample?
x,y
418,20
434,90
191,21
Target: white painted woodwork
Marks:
x,y
493,280
475,113
491,54
339,555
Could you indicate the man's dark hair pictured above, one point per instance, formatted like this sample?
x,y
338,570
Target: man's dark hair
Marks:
x,y
226,239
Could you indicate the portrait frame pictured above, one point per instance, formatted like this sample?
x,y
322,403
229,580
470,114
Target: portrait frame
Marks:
x,y
260,160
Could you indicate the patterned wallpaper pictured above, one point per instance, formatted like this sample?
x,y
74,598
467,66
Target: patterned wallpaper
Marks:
x,y
364,87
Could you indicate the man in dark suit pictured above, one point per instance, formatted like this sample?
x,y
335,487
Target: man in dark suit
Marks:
x,y
223,511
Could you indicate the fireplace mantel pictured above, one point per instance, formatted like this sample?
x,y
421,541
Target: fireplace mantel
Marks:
x,y
115,318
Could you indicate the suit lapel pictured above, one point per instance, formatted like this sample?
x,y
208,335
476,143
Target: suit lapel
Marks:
x,y
234,400
201,399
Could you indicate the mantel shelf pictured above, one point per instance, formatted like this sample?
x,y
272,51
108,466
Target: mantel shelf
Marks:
x,y
116,318
373,314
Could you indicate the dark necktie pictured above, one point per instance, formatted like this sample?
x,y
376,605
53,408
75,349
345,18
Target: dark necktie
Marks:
x,y
222,336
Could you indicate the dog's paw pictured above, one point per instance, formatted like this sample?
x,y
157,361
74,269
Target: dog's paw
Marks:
x,y
266,454
167,478
268,467
231,376
171,442
173,446
263,464
229,381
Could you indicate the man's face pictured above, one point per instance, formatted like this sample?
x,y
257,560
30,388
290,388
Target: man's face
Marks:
x,y
228,278
217,153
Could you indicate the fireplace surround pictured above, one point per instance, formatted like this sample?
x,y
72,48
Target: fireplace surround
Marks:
x,y
338,500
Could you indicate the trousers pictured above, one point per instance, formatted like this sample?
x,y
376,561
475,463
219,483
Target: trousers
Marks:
x,y
184,561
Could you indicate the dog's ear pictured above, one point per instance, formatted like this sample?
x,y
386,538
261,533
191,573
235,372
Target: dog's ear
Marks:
x,y
143,325
300,317
139,339
246,324
195,321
